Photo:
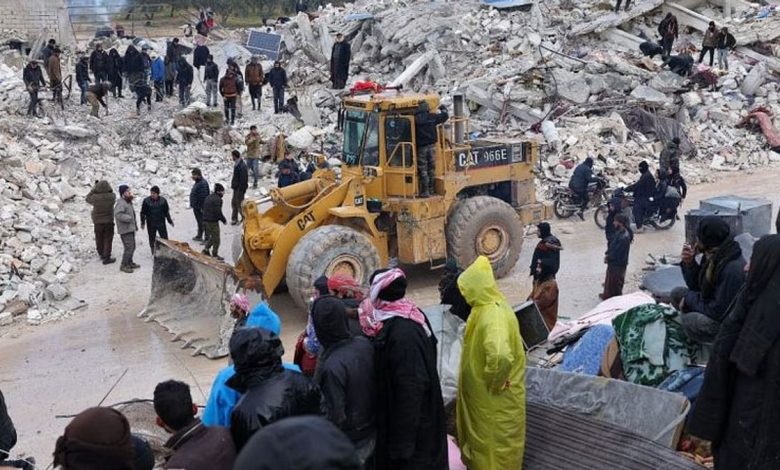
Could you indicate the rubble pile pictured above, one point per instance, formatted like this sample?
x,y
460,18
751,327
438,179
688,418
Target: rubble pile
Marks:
x,y
559,72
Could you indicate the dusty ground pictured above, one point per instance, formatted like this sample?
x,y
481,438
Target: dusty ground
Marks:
x,y
64,367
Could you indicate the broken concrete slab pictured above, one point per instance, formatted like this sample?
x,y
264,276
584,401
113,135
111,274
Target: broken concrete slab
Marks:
x,y
612,19
413,69
649,95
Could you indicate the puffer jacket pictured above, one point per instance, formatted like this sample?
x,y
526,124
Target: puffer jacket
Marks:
x,y
253,74
102,199
199,193
270,392
710,38
124,213
212,209
228,86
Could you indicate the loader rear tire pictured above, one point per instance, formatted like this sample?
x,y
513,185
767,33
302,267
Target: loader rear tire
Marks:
x,y
328,250
484,225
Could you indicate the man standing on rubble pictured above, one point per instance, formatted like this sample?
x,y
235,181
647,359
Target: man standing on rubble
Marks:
x,y
114,68
33,80
709,43
95,96
158,77
340,55
211,77
47,51
198,195
212,216
55,75
669,31
102,200
154,212
253,73
228,88
253,143
425,123
643,190
98,62
277,78
82,77
239,184
725,42
126,226
184,76
617,6
580,179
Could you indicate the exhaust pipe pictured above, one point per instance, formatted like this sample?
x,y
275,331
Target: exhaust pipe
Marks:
x,y
457,105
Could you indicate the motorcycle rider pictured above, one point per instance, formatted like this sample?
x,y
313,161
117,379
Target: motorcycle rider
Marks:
x,y
580,179
643,190
667,198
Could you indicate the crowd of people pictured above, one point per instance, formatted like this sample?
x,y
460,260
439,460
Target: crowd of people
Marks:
x,y
372,400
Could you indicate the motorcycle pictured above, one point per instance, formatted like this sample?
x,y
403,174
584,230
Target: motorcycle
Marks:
x,y
661,216
566,203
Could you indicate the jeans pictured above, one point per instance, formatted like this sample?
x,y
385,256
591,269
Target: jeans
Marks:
x,y
230,110
252,164
198,211
156,229
159,91
84,86
128,243
617,7
116,86
256,93
184,95
104,238
211,92
425,168
169,87
278,100
212,238
31,108
723,59
704,51
100,76
235,202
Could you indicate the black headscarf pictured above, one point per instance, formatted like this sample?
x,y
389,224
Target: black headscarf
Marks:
x,y
330,321
714,234
548,270
321,284
544,230
257,354
299,443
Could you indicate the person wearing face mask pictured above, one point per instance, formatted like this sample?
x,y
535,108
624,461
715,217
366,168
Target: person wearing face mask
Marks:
x,y
126,226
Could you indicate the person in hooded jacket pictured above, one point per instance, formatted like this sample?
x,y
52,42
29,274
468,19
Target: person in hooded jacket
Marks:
x,y
299,443
98,63
270,392
450,294
102,198
545,292
158,77
222,399
615,206
170,75
643,190
345,374
669,161
711,284
340,55
288,172
198,194
669,30
211,78
82,77
134,67
738,408
490,410
549,248
184,77
277,78
114,69
580,179
410,418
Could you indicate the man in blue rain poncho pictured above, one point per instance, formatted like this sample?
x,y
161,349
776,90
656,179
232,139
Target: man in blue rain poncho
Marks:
x,y
222,398
491,389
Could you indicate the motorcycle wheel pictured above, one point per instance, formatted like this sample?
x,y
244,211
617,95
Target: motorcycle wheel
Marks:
x,y
600,216
561,211
662,225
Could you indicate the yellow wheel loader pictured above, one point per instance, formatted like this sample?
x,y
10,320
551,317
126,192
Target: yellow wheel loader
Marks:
x,y
484,195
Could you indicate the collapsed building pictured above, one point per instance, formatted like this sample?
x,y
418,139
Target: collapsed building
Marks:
x,y
567,74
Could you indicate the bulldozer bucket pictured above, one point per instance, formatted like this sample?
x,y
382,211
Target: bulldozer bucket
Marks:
x,y
190,297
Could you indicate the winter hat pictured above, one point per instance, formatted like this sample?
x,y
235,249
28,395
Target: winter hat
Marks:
x,y
218,188
241,301
329,318
122,189
713,231
544,230
97,438
299,443
643,166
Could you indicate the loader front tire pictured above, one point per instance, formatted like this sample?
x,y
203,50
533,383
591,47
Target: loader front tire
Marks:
x,y
329,250
487,226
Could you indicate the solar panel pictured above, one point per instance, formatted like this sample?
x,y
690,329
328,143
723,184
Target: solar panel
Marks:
x,y
266,44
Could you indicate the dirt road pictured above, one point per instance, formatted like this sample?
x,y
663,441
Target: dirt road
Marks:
x,y
64,367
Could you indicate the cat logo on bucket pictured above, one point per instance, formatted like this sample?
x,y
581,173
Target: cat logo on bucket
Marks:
x,y
303,222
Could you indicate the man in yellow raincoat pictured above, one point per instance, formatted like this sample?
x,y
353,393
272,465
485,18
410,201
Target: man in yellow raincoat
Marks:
x,y
491,390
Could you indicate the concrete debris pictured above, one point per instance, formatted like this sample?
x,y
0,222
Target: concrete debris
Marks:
x,y
649,95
